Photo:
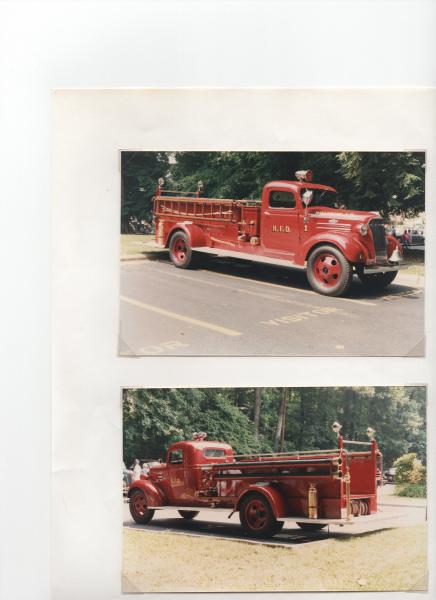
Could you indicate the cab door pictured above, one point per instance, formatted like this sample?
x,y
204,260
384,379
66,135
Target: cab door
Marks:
x,y
176,475
280,234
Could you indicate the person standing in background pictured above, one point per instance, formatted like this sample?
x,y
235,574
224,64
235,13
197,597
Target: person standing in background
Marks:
x,y
136,470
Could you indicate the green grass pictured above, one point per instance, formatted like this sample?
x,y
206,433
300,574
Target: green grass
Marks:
x,y
391,559
411,490
413,262
135,244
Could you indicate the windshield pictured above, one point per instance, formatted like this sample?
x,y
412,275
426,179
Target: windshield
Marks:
x,y
324,198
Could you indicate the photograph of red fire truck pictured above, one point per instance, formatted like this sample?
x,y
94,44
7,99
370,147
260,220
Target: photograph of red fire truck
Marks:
x,y
286,478
312,488
296,224
272,259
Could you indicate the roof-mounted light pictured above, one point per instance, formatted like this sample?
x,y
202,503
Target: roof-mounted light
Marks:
x,y
304,175
370,432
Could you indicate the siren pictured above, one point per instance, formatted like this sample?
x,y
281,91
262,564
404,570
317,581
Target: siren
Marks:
x,y
161,182
199,436
306,175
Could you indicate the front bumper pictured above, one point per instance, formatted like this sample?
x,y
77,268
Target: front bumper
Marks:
x,y
372,269
391,264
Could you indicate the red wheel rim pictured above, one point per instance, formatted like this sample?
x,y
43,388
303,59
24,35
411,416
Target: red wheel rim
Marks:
x,y
327,269
179,249
256,514
139,505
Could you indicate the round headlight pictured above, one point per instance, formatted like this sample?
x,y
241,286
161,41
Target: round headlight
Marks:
x,y
363,229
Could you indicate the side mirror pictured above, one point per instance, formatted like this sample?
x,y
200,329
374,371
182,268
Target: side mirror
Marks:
x,y
307,198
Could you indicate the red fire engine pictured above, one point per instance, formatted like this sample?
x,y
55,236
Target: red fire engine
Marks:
x,y
296,224
313,488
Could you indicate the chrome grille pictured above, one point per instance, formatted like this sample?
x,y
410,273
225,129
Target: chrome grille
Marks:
x,y
379,236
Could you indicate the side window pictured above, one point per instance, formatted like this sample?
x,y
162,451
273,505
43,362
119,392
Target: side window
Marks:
x,y
279,199
176,457
214,452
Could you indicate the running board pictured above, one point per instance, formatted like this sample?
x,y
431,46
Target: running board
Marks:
x,y
281,262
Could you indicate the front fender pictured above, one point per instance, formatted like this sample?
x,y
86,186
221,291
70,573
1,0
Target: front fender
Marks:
x,y
195,234
154,495
353,249
273,496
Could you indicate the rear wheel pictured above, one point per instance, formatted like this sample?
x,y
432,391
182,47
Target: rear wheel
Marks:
x,y
189,514
377,281
256,516
311,526
328,271
180,250
138,508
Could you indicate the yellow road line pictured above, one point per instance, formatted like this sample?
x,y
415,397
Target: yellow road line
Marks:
x,y
173,315
283,288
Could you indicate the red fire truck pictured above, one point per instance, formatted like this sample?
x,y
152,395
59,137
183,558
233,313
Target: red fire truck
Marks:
x,y
297,224
313,488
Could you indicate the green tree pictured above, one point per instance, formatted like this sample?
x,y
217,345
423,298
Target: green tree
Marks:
x,y
389,182
140,172
153,419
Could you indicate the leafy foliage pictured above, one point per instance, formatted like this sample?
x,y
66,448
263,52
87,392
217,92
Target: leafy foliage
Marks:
x,y
140,172
409,469
390,182
155,418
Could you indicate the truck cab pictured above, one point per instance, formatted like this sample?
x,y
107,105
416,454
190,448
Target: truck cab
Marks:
x,y
285,216
181,476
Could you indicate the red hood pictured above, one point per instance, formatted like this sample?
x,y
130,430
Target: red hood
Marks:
x,y
332,214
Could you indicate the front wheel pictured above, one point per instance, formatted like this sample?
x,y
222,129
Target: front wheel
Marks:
x,y
328,271
256,516
377,281
188,515
138,508
180,250
311,526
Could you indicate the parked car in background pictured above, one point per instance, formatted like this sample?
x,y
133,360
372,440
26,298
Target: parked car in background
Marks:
x,y
389,475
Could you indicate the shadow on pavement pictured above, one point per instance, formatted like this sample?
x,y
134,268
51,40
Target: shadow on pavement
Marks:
x,y
289,536
286,277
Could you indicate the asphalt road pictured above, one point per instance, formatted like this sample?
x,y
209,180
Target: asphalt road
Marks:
x,y
237,308
392,512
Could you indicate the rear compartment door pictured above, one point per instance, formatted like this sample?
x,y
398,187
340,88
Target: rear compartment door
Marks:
x,y
280,234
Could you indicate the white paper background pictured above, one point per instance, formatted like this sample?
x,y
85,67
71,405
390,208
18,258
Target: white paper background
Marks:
x,y
47,45
89,129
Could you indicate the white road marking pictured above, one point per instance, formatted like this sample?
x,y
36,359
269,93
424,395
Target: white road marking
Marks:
x,y
177,316
401,295
303,316
162,348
